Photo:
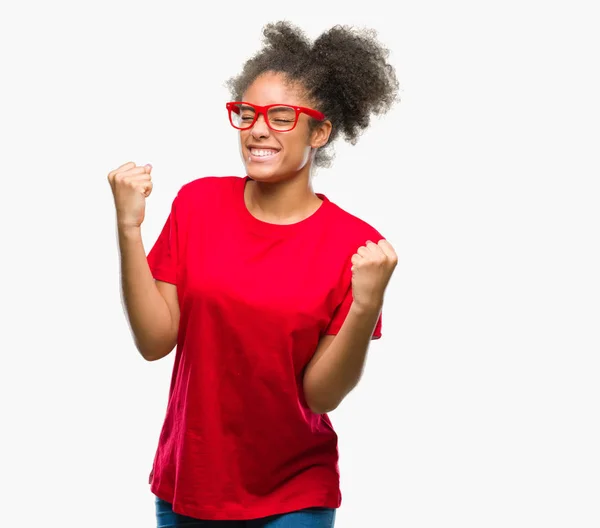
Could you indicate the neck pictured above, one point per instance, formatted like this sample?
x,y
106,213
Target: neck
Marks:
x,y
284,201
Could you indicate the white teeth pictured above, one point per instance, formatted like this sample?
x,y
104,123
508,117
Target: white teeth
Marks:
x,y
262,152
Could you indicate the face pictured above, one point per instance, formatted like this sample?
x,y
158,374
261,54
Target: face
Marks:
x,y
293,148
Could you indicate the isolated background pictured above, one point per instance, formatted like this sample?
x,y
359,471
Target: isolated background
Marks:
x,y
478,407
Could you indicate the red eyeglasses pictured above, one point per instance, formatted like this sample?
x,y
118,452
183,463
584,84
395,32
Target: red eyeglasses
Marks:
x,y
279,117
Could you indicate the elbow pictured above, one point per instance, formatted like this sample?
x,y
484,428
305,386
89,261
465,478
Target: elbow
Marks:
x,y
320,407
156,355
148,356
153,353
323,410
316,401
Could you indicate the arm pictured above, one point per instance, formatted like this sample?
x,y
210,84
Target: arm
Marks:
x,y
151,307
337,365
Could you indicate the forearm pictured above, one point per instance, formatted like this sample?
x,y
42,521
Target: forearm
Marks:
x,y
340,368
146,309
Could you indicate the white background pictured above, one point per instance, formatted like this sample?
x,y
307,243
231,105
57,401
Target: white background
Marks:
x,y
478,407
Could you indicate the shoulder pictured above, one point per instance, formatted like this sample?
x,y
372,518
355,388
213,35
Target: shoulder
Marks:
x,y
209,189
198,186
352,228
202,195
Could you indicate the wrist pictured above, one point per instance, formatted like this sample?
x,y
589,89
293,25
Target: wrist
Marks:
x,y
129,231
367,308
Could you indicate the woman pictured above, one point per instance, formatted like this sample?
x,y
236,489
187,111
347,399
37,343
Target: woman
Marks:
x,y
270,292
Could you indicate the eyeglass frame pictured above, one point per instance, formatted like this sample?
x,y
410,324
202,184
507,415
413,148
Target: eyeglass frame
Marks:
x,y
319,116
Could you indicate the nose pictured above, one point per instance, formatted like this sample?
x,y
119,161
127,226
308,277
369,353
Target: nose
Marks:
x,y
260,128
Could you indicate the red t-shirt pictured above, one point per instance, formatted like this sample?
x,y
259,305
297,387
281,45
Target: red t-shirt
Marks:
x,y
239,441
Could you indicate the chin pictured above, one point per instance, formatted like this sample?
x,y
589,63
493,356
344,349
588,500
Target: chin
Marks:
x,y
262,172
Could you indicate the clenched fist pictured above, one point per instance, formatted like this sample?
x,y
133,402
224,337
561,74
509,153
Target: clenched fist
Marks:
x,y
372,268
130,186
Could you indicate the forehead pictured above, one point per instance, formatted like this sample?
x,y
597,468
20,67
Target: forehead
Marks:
x,y
271,88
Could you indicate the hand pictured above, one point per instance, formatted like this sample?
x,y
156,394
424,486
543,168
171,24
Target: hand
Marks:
x,y
131,186
372,268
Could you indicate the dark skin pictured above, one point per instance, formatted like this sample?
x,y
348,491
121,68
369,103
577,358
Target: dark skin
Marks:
x,y
280,191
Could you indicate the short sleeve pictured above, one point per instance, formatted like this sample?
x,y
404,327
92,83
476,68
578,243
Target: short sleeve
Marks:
x,y
162,258
341,312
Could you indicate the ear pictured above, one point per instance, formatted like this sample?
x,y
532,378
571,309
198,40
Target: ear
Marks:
x,y
320,135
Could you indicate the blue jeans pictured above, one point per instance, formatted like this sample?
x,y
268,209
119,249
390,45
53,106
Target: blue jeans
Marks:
x,y
308,518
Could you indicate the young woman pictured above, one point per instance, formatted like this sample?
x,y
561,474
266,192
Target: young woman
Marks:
x,y
269,291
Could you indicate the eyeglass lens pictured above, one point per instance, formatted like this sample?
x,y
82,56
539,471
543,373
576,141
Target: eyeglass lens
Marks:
x,y
280,117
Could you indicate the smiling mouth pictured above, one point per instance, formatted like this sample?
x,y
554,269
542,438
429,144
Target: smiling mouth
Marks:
x,y
262,154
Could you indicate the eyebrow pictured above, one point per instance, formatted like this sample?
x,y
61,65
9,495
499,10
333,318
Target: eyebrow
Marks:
x,y
279,105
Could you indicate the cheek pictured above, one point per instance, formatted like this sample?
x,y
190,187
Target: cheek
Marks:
x,y
297,145
297,154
